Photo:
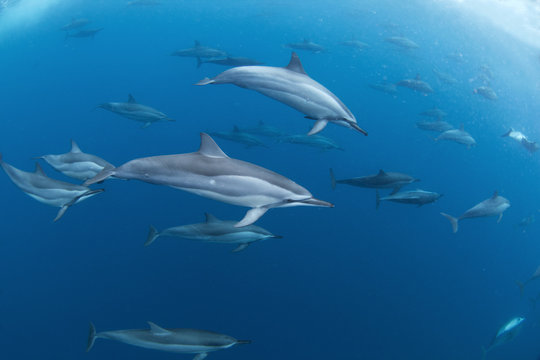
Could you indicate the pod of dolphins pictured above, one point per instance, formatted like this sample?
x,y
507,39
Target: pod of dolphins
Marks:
x,y
210,173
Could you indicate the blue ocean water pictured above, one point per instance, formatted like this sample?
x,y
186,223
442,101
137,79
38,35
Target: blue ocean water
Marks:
x,y
350,281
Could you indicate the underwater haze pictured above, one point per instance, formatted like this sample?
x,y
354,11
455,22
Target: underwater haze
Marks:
x,y
351,281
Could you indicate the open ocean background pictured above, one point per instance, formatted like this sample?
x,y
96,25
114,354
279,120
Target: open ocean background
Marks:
x,y
349,282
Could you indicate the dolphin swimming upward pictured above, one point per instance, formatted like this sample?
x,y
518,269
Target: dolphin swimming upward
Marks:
x,y
46,190
291,86
209,172
186,341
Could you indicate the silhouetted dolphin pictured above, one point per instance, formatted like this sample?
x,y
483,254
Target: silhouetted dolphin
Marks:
x,y
388,88
135,111
215,230
75,24
84,33
382,180
506,333
291,86
263,129
415,197
359,45
77,164
437,125
416,84
199,51
316,141
209,172
402,42
494,206
46,190
229,61
238,136
435,112
184,341
307,46
458,135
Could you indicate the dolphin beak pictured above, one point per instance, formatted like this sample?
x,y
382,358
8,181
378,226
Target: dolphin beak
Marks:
x,y
316,202
357,128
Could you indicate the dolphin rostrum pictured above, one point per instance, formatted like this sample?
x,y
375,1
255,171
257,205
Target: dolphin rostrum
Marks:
x,y
215,230
291,86
494,206
183,341
416,197
209,172
77,164
382,180
46,190
135,111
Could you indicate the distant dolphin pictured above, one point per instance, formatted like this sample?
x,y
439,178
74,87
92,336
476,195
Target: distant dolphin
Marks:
x,y
416,84
435,113
402,42
446,78
291,86
52,192
534,276
359,45
530,146
183,341
382,180
77,164
238,136
263,129
84,33
199,51
415,197
494,206
75,24
437,125
209,172
458,135
316,141
215,230
388,88
135,111
505,334
486,92
307,46
229,61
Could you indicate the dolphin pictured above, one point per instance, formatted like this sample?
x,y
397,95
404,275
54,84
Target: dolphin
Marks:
x,y
291,86
382,180
84,33
75,24
238,136
446,78
307,46
494,206
263,129
402,42
416,84
486,92
77,164
518,136
355,44
458,135
534,276
46,190
199,51
229,61
388,88
135,111
217,231
525,222
183,341
316,141
416,197
506,333
435,113
209,172
438,125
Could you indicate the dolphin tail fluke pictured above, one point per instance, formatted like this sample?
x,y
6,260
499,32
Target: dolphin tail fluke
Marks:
x,y
251,216
507,133
240,248
453,221
332,179
200,356
153,234
91,337
242,342
199,62
521,287
377,199
205,81
64,207
104,174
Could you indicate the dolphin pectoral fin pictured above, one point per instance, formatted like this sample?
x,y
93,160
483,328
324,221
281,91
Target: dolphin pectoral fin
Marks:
x,y
91,337
319,125
395,190
251,216
145,125
205,81
200,356
153,234
64,207
241,247
61,213
500,218
332,179
377,199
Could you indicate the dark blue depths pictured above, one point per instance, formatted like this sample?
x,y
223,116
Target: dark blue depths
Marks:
x,y
347,282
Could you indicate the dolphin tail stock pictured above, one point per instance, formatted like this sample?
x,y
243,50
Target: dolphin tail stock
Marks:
x,y
91,337
199,62
205,81
104,174
153,234
453,222
521,287
377,199
507,133
66,206
332,179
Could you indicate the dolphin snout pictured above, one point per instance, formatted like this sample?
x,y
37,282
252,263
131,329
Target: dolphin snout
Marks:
x,y
316,202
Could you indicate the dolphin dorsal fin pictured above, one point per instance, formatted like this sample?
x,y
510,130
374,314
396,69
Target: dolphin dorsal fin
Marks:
x,y
295,64
210,148
236,129
197,43
381,172
39,170
461,127
210,218
158,330
131,99
74,147
495,194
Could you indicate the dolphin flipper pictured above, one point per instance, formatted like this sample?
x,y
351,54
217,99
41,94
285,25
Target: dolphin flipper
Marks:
x,y
453,221
251,216
153,234
332,179
377,199
205,81
319,125
200,356
241,247
500,218
91,337
64,207
395,190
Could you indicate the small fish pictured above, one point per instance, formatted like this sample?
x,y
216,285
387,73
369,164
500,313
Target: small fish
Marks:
x,y
382,180
494,206
415,197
